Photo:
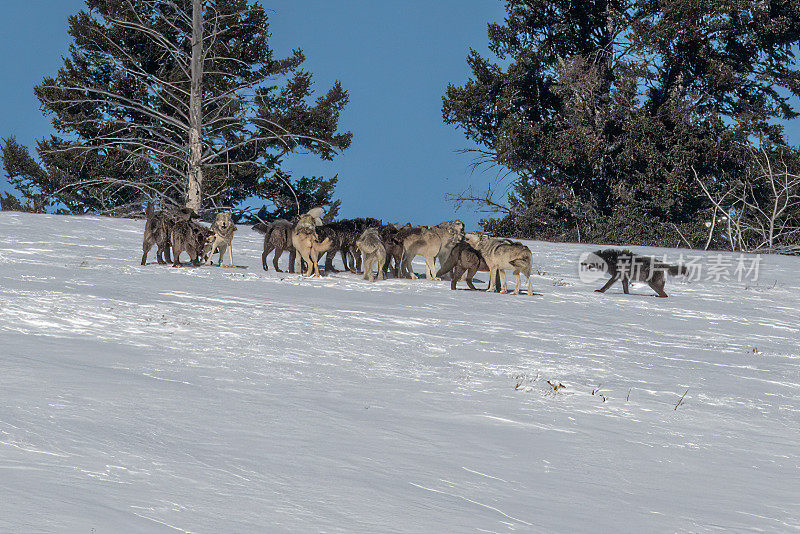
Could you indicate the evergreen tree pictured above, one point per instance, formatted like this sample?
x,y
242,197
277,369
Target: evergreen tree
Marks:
x,y
604,110
182,101
304,194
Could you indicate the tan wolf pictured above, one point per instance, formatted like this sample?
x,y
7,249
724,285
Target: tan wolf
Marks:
x,y
427,242
306,241
502,254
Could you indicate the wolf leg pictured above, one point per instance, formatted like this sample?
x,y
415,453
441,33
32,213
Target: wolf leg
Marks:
x,y
625,285
407,267
396,268
517,282
367,268
314,266
471,272
608,284
210,259
292,260
492,273
658,288
176,254
329,256
264,257
381,275
455,276
503,281
430,264
307,258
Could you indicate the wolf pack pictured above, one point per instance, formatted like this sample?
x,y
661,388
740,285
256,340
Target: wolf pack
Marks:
x,y
368,246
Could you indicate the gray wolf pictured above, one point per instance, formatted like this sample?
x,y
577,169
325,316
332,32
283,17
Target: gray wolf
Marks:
x,y
427,242
371,246
278,237
464,258
502,254
222,237
157,231
186,235
629,267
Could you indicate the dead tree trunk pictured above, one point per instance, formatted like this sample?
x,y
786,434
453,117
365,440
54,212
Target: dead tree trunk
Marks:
x,y
194,170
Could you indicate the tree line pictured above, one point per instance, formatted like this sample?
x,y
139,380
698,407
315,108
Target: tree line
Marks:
x,y
654,122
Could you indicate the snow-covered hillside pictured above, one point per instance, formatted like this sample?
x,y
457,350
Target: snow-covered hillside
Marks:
x,y
153,399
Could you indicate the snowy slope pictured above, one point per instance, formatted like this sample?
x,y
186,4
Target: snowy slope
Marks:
x,y
153,399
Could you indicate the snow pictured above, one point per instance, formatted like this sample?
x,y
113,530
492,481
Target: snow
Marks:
x,y
156,399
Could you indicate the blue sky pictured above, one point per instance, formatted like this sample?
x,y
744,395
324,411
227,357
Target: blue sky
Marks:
x,y
394,57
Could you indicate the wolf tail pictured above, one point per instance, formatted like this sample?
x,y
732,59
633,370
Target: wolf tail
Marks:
x,y
262,227
149,211
676,270
525,263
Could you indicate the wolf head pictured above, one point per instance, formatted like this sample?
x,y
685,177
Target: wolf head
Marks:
x,y
224,222
592,266
185,214
475,238
317,213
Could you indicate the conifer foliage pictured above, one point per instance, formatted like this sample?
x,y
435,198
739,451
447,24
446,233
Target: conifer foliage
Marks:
x,y
179,101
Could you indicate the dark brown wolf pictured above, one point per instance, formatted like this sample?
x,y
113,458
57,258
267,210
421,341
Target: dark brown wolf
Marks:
x,y
338,243
464,258
394,247
629,267
192,238
157,231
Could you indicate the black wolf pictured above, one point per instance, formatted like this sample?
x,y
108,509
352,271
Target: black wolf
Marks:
x,y
629,267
